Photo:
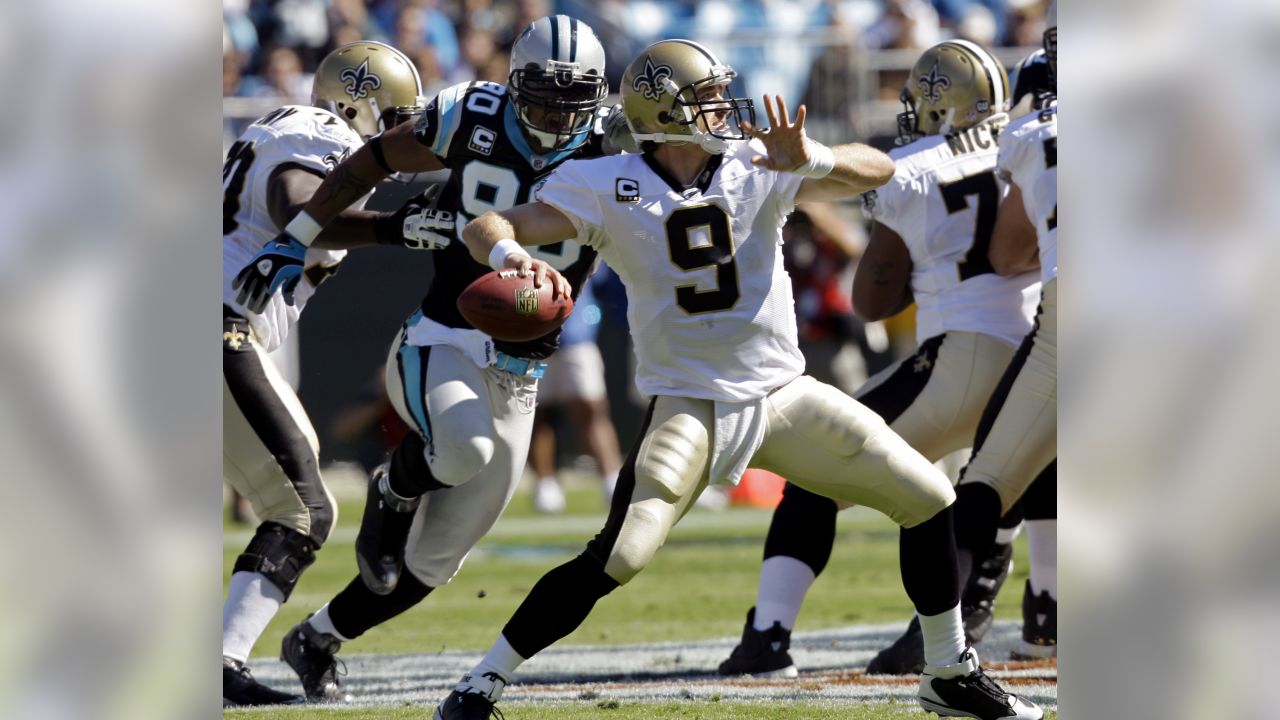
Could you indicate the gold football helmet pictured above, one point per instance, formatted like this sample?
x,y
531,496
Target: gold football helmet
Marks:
x,y
954,85
370,85
677,91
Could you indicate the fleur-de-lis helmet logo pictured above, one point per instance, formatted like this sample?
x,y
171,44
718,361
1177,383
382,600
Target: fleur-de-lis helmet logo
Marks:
x,y
650,81
933,84
360,81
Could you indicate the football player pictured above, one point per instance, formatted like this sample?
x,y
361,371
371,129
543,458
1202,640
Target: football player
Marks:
x,y
693,227
929,243
269,447
470,399
1016,439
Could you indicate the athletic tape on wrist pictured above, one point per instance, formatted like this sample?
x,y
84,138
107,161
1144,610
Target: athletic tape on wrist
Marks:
x,y
304,228
822,160
502,250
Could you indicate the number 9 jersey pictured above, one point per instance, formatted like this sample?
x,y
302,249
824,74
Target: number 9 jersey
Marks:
x,y
474,131
709,302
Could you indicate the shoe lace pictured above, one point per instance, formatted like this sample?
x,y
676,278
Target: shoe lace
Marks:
x,y
984,684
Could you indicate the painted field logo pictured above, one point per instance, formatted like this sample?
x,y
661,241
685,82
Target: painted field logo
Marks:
x,y
527,301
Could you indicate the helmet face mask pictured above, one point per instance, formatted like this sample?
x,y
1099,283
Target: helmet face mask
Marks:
x,y
677,91
557,81
556,106
369,85
954,85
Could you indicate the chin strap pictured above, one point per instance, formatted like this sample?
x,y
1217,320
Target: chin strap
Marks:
x,y
708,142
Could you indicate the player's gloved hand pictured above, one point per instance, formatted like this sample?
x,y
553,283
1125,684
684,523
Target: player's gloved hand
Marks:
x,y
428,229
417,225
277,266
618,133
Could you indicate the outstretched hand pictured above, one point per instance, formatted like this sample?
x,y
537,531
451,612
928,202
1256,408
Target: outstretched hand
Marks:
x,y
784,141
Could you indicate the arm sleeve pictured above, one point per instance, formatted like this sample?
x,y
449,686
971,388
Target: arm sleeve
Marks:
x,y
439,122
568,190
887,203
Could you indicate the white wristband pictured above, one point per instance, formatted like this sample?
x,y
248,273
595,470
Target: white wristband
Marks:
x,y
503,250
822,160
304,228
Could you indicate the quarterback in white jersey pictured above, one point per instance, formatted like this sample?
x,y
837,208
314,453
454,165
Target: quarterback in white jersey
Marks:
x,y
270,451
693,227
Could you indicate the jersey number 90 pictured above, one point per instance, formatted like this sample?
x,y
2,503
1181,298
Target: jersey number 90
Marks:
x,y
488,188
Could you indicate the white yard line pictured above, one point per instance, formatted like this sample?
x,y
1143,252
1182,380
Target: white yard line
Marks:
x,y
830,662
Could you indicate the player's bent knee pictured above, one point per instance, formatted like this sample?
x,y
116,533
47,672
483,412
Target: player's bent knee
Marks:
x,y
643,532
455,463
279,554
925,490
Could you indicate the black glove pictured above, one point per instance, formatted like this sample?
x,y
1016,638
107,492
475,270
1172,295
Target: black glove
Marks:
x,y
277,266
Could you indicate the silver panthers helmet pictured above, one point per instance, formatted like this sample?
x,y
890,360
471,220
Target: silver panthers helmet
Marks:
x,y
557,80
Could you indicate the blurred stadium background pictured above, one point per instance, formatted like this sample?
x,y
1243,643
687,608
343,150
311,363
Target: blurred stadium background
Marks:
x,y
845,59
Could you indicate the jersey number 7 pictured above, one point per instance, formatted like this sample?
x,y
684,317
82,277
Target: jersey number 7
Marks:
x,y
956,196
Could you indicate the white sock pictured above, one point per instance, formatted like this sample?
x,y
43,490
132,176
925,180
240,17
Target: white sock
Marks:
x,y
501,659
252,600
943,636
322,623
1004,536
783,584
1042,539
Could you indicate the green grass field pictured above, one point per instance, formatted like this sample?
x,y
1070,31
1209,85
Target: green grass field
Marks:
x,y
699,587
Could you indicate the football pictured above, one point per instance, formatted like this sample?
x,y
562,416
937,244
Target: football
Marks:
x,y
507,307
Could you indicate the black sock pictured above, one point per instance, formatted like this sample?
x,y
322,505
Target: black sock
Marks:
x,y
803,527
356,609
977,515
557,605
410,474
927,555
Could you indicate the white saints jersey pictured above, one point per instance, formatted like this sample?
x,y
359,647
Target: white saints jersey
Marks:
x,y
299,136
709,302
942,202
1029,159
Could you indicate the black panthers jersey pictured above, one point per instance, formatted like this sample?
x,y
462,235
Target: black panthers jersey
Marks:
x,y
473,128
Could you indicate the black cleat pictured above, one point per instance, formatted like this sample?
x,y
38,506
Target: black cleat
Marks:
x,y
240,689
467,706
1039,626
978,601
904,657
312,654
963,690
475,700
762,653
384,532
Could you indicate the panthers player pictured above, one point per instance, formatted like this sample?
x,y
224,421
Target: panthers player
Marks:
x,y
470,399
1017,438
693,227
933,225
269,446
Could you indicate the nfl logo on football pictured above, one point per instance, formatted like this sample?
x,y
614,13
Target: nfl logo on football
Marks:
x,y
527,301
